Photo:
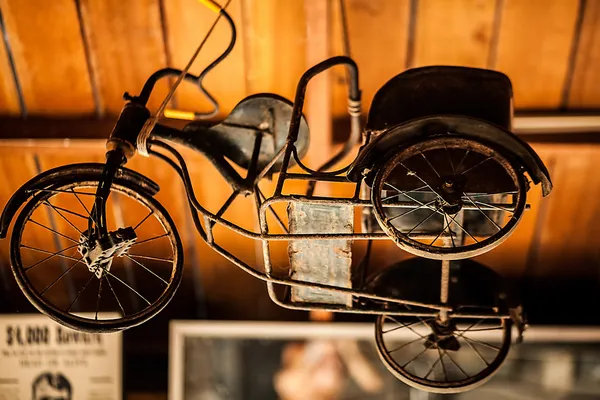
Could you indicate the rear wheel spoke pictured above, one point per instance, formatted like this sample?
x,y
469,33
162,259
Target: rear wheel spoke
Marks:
x,y
484,214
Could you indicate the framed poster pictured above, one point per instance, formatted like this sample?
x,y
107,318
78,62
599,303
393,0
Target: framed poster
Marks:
x,y
218,360
40,359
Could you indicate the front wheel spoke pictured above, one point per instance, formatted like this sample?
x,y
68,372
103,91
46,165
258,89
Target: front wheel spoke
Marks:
x,y
67,211
146,268
99,296
63,217
84,207
54,231
56,254
60,191
151,239
126,285
481,211
60,277
116,297
81,291
143,220
151,258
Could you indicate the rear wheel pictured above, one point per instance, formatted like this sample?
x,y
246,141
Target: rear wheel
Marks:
x,y
465,194
95,285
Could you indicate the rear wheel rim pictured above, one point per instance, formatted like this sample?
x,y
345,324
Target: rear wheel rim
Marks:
x,y
436,207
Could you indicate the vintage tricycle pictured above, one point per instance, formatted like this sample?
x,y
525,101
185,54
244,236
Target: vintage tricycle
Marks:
x,y
438,172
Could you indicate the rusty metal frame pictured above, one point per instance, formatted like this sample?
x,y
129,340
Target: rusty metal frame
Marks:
x,y
205,222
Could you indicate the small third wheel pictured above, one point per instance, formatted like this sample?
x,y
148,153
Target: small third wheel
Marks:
x,y
442,357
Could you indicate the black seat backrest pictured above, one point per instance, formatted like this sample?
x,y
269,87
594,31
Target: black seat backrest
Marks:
x,y
437,90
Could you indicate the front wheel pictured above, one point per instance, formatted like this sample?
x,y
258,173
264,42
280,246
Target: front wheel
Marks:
x,y
96,284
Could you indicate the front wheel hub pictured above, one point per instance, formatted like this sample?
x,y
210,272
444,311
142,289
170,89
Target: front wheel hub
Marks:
x,y
99,253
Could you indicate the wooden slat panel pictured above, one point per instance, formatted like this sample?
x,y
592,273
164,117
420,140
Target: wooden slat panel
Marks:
x,y
9,97
274,36
533,49
570,231
126,46
585,88
318,98
378,31
49,56
454,32
512,256
187,22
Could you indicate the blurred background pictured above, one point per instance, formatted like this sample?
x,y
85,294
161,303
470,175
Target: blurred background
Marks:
x,y
65,64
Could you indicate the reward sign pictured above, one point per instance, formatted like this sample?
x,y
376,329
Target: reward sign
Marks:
x,y
40,359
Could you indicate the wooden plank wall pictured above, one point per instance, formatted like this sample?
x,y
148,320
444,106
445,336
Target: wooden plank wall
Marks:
x,y
81,59
82,54
558,237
